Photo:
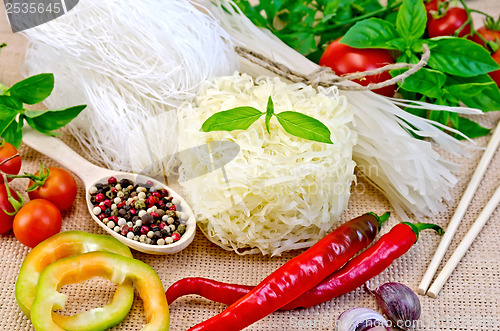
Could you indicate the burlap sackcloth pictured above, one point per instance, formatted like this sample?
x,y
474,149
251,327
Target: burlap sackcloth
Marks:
x,y
469,300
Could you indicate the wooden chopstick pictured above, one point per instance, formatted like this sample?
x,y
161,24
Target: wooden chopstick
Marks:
x,y
460,211
464,245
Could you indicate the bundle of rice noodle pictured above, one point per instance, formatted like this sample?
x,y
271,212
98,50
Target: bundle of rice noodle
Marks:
x,y
282,192
412,175
132,62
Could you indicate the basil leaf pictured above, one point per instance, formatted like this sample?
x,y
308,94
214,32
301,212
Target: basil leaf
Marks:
x,y
411,20
239,118
398,44
52,119
7,113
470,128
33,89
10,129
304,42
460,57
425,81
269,112
440,116
479,92
11,102
370,33
304,126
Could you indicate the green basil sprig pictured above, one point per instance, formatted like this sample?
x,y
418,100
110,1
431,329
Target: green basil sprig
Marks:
x,y
295,123
456,71
30,91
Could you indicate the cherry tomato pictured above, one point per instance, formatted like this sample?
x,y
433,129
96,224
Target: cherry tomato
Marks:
x,y
12,166
453,19
496,74
59,188
5,219
38,220
491,35
431,6
343,59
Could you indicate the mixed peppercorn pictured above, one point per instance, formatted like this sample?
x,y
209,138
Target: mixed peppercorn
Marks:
x,y
139,212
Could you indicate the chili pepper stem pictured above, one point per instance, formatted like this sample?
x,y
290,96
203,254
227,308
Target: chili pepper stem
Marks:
x,y
381,219
417,227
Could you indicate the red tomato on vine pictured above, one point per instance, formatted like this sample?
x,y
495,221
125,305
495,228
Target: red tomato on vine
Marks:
x,y
8,207
36,221
343,59
488,34
448,24
496,74
12,166
55,185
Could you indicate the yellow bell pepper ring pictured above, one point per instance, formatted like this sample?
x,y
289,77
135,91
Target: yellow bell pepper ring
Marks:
x,y
66,244
117,268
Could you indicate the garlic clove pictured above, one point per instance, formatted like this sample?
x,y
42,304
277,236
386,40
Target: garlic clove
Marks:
x,y
361,319
399,303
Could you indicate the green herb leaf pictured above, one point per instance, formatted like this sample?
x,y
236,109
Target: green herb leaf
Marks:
x,y
269,112
470,128
304,41
425,81
46,121
33,89
304,126
371,33
10,129
460,57
11,102
239,118
479,92
411,20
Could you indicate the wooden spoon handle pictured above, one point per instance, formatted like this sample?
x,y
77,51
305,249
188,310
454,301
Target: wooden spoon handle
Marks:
x,y
59,151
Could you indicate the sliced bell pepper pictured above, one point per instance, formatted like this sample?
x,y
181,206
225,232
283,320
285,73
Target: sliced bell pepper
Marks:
x,y
116,268
66,244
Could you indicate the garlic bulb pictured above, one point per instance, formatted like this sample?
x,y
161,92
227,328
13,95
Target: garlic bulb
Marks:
x,y
361,319
399,303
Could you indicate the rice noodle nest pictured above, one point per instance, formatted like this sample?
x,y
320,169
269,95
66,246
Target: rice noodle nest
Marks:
x,y
283,192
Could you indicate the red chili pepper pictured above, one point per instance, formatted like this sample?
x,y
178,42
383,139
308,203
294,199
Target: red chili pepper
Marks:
x,y
354,274
298,275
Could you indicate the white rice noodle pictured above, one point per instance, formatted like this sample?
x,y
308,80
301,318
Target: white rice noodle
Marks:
x,y
413,176
131,62
283,192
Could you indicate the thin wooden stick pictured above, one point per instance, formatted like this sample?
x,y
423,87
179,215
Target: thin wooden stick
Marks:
x,y
460,211
464,244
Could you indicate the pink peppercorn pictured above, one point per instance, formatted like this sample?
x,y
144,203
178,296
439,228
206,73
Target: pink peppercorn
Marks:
x,y
154,214
107,203
132,211
144,229
173,207
156,194
101,216
113,218
121,204
176,236
99,197
162,225
125,229
112,180
151,201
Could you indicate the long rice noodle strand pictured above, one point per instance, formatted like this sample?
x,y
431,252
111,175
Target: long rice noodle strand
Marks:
x,y
131,62
413,176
